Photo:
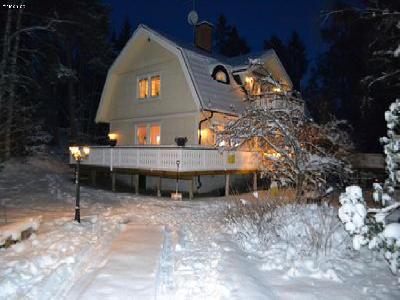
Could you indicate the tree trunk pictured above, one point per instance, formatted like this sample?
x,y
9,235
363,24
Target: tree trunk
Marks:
x,y
3,66
10,122
299,186
71,100
4,56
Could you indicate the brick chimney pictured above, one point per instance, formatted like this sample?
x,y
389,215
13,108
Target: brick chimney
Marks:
x,y
203,36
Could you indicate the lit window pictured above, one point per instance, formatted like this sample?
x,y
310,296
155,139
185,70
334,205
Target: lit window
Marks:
x,y
141,134
249,81
256,89
220,76
143,88
148,134
252,86
155,86
155,132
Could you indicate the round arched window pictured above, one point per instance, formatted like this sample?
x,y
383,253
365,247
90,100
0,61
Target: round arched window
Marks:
x,y
220,74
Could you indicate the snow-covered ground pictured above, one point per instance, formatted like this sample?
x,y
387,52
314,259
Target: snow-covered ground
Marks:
x,y
201,257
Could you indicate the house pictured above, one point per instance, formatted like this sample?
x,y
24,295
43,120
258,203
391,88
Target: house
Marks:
x,y
159,89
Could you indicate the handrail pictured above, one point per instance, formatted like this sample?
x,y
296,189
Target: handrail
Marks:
x,y
164,158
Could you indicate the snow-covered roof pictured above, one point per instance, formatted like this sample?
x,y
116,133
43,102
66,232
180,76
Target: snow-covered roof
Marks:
x,y
198,66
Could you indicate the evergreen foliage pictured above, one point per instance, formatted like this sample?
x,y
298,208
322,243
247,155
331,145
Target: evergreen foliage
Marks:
x,y
292,55
357,77
228,42
54,58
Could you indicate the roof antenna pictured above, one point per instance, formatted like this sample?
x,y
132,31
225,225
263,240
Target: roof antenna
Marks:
x,y
192,19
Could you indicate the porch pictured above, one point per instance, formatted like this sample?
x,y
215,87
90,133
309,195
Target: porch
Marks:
x,y
161,162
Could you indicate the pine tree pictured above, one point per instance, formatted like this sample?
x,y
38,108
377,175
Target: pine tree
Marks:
x,y
228,41
276,44
339,72
124,35
222,30
297,62
235,44
292,55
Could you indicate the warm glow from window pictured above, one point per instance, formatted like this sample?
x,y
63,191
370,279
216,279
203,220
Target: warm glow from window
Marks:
x,y
221,76
143,88
249,81
155,133
155,86
276,89
202,132
253,87
141,135
256,89
272,154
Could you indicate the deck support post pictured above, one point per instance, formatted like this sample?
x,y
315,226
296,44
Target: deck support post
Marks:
x,y
93,177
113,181
227,184
255,182
159,187
191,184
136,183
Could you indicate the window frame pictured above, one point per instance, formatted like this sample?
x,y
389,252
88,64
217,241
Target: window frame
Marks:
x,y
148,126
221,68
148,77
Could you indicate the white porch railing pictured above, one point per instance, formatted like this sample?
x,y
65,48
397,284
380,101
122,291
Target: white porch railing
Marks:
x,y
164,158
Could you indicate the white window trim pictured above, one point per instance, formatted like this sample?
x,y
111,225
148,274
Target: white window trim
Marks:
x,y
148,77
147,125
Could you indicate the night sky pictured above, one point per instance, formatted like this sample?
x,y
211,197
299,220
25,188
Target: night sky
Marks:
x,y
255,19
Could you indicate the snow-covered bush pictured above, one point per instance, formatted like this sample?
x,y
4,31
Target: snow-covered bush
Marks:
x,y
368,227
252,222
310,231
353,213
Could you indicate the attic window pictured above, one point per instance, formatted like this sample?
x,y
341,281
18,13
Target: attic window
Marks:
x,y
143,88
220,74
149,86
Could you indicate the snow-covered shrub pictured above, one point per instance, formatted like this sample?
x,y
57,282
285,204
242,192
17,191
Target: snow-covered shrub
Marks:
x,y
353,213
251,222
308,231
368,227
312,230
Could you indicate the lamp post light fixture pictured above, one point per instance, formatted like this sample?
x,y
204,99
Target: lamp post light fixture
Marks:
x,y
78,153
112,139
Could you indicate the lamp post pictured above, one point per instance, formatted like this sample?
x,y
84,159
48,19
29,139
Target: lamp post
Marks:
x,y
78,153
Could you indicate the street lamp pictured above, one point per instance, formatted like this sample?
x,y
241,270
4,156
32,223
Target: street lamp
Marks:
x,y
78,153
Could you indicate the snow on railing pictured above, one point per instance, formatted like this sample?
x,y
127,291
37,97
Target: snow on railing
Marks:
x,y
164,158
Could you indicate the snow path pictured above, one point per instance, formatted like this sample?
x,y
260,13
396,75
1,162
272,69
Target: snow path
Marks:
x,y
131,266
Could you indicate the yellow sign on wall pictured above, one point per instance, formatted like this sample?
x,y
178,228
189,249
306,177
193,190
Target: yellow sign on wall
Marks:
x,y
231,158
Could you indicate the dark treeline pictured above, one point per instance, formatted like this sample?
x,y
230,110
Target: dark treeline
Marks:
x,y
55,56
357,78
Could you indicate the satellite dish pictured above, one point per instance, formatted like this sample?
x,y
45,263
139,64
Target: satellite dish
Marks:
x,y
193,18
